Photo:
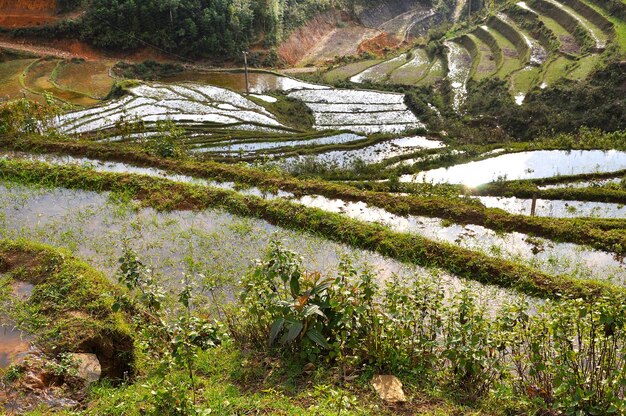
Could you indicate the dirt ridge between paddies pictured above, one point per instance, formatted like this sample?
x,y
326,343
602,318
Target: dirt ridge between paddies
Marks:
x,y
162,194
601,237
70,309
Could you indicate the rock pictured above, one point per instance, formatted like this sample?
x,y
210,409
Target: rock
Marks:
x,y
389,388
88,367
32,382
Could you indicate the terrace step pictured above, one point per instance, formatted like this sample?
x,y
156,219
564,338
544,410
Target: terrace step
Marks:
x,y
582,30
485,62
568,43
380,73
413,71
511,59
436,72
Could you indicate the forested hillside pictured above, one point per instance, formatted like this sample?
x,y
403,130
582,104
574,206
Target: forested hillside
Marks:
x,y
197,28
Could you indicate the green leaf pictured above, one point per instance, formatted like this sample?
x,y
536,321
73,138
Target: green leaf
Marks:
x,y
321,287
277,326
315,336
313,309
294,330
294,284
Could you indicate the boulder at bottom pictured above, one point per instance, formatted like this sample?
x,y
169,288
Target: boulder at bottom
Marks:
x,y
389,388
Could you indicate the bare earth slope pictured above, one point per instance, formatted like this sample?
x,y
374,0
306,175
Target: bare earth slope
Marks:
x,y
24,13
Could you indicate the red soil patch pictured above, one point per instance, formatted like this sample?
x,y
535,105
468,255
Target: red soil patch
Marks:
x,y
303,40
379,45
73,48
25,13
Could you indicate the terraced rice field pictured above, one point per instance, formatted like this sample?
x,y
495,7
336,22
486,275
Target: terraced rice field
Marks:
x,y
10,74
485,64
500,47
75,83
212,115
87,78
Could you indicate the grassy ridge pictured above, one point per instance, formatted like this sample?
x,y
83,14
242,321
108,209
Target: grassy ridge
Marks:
x,y
166,195
70,309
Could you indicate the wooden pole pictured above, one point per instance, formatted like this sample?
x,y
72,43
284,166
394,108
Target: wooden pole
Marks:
x,y
533,207
245,61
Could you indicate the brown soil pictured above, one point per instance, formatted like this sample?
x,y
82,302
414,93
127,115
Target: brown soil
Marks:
x,y
25,13
73,48
379,45
303,40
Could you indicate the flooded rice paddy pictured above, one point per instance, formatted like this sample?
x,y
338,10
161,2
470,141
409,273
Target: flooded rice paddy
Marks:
x,y
259,82
525,165
376,153
196,104
219,246
545,255
459,67
556,208
369,112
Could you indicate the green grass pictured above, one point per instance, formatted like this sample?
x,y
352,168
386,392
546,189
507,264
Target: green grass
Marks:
x,y
557,69
584,67
511,60
485,66
525,79
618,24
344,72
71,305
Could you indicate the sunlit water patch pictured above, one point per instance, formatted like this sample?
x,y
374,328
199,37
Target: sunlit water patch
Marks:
x,y
583,184
459,67
359,111
258,82
525,165
186,104
376,153
556,208
117,167
248,147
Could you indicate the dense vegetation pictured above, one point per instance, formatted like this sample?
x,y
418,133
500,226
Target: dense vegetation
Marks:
x,y
196,29
564,107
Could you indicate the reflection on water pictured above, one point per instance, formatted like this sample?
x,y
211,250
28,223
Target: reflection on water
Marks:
x,y
525,165
545,255
375,153
260,82
13,343
556,208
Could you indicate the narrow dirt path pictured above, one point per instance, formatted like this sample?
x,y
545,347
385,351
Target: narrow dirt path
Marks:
x,y
37,49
